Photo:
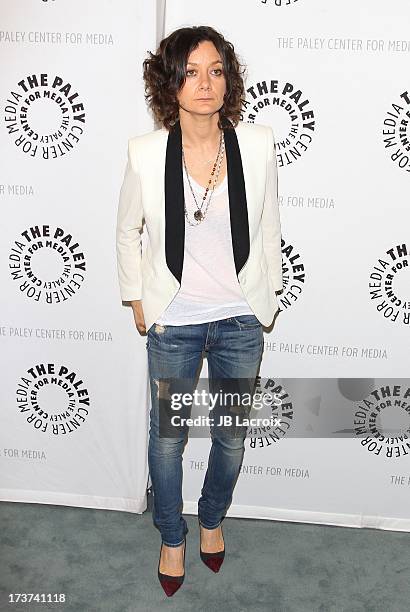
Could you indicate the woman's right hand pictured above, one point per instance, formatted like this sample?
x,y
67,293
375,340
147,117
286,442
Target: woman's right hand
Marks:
x,y
138,315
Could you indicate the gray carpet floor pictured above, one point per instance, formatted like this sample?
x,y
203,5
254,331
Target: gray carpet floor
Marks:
x,y
107,562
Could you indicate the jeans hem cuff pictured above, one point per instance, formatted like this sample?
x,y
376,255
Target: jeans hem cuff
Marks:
x,y
173,545
214,527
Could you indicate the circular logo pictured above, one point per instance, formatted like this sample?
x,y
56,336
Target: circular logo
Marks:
x,y
270,400
389,283
278,2
47,263
289,110
45,116
53,399
293,276
396,132
383,418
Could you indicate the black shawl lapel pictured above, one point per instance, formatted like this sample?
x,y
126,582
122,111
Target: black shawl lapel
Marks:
x,y
174,201
238,208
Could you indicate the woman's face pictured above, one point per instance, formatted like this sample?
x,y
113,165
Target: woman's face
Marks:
x,y
205,86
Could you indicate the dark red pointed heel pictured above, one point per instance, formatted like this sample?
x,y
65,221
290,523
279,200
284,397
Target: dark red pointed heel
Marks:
x,y
212,560
171,584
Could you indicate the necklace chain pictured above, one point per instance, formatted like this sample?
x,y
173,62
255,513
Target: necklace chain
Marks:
x,y
200,215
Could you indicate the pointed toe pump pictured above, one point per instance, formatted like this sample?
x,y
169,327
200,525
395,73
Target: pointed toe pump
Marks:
x,y
171,584
213,560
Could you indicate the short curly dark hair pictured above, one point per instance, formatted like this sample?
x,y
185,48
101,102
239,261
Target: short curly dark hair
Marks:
x,y
164,74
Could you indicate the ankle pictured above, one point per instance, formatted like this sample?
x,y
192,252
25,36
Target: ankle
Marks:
x,y
172,551
214,531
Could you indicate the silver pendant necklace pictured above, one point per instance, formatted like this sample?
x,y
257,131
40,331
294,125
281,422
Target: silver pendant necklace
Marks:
x,y
199,215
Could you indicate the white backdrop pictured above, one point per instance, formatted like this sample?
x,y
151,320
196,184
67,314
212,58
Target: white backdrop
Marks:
x,y
331,81
79,325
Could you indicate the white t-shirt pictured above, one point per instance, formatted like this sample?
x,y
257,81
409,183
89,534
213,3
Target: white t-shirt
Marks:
x,y
210,289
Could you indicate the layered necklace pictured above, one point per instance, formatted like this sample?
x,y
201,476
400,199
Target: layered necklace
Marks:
x,y
199,214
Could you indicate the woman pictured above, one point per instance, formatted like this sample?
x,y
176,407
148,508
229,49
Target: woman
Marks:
x,y
206,186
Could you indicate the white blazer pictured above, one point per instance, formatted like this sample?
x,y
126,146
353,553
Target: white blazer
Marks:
x,y
152,191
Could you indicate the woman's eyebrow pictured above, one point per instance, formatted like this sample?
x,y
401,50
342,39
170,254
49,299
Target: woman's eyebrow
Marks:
x,y
215,62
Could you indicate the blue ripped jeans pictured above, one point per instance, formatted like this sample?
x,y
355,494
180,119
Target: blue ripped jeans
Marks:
x,y
234,348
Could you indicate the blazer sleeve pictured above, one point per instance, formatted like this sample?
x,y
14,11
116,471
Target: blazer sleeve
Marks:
x,y
128,232
271,227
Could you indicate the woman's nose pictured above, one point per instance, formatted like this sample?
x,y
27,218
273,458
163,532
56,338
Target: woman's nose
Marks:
x,y
205,81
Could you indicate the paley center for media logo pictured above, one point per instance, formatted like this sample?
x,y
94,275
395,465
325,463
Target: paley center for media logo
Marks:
x,y
389,285
382,419
286,107
45,116
278,2
293,275
396,132
278,405
53,398
47,263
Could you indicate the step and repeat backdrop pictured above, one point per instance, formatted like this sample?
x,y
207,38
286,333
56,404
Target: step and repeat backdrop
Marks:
x,y
74,387
331,80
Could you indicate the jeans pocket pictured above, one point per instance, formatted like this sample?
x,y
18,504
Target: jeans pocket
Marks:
x,y
247,321
162,336
153,335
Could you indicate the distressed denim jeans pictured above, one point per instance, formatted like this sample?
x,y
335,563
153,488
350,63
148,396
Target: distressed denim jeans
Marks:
x,y
234,348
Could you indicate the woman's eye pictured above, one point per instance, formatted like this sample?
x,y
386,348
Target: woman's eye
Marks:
x,y
217,69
